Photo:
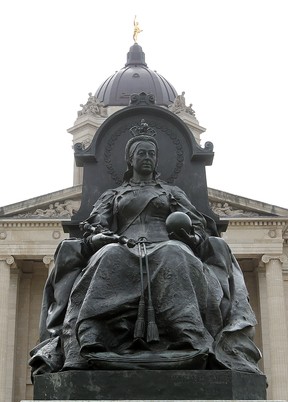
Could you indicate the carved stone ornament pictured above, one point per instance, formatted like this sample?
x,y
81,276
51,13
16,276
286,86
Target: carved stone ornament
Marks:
x,y
179,105
3,235
93,107
285,232
54,210
280,258
225,209
142,99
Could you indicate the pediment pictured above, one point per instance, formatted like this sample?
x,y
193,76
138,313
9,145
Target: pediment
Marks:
x,y
64,203
57,205
228,205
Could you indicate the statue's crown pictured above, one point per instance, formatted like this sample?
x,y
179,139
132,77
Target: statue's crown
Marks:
x,y
142,129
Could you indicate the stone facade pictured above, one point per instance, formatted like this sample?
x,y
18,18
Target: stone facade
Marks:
x,y
27,246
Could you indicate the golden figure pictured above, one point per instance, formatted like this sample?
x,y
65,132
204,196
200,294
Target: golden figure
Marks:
x,y
137,30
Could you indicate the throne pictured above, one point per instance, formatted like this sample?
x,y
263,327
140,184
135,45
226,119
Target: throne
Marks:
x,y
182,161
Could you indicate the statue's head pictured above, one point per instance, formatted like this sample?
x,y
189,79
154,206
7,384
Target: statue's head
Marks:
x,y
141,134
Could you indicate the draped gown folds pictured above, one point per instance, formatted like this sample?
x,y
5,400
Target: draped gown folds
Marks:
x,y
196,299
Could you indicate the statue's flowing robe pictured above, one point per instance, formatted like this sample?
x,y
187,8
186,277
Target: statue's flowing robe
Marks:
x,y
200,300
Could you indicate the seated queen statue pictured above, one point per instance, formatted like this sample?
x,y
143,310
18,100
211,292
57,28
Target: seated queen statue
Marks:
x,y
150,285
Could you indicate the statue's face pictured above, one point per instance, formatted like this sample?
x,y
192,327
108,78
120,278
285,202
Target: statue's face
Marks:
x,y
144,158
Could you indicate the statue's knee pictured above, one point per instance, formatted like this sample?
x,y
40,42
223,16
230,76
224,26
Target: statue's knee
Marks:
x,y
214,250
218,244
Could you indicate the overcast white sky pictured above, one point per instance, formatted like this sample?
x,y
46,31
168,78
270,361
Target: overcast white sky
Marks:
x,y
229,56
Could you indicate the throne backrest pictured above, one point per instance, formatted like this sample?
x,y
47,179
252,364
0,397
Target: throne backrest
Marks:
x,y
181,160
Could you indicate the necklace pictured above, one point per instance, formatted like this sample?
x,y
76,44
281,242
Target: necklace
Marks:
x,y
142,183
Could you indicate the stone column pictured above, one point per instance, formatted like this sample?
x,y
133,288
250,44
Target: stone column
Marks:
x,y
49,262
11,349
5,263
277,327
22,338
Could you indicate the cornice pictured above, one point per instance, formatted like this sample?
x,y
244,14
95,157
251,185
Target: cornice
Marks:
x,y
32,223
258,221
90,122
56,222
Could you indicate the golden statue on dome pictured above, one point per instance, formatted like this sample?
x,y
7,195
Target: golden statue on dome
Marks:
x,y
137,30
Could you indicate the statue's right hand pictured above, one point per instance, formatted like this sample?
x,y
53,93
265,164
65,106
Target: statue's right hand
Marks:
x,y
99,240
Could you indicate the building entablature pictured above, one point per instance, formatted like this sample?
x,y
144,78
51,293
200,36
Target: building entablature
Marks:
x,y
255,236
247,237
30,239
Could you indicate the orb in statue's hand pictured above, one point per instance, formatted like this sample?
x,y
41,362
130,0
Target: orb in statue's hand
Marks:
x,y
178,220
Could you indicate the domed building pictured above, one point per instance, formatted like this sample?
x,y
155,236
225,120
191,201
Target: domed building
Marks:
x,y
133,78
31,230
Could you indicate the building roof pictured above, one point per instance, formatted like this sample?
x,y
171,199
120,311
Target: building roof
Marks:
x,y
63,203
135,77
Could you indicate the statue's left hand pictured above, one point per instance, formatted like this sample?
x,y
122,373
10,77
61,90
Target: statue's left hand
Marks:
x,y
192,240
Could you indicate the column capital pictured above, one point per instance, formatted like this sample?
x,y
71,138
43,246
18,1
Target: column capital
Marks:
x,y
49,262
48,259
267,258
9,259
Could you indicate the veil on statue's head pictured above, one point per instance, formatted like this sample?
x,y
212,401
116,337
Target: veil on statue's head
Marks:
x,y
140,133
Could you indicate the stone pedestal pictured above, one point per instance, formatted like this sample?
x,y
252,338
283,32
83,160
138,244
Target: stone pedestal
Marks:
x,y
150,384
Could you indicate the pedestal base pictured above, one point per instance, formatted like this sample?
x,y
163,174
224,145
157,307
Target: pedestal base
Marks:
x,y
150,384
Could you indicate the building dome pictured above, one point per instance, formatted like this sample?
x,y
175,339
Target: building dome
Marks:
x,y
135,77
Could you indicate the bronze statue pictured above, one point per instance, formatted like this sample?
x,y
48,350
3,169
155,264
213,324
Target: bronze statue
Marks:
x,y
132,294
